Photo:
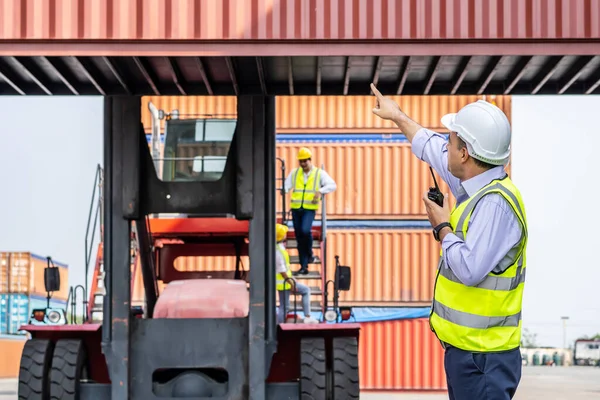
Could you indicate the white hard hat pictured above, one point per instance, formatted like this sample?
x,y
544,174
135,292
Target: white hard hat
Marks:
x,y
484,128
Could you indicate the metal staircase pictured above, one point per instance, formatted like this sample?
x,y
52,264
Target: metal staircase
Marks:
x,y
98,290
93,312
317,275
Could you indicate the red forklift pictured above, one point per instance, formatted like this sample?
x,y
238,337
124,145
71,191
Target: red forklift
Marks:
x,y
206,334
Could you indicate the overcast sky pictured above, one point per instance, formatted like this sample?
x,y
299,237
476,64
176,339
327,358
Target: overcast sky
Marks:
x,y
51,146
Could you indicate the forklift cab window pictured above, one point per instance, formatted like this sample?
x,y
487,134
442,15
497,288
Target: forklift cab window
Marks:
x,y
196,149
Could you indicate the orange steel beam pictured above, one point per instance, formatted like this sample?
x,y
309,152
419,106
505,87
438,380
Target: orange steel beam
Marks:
x,y
174,227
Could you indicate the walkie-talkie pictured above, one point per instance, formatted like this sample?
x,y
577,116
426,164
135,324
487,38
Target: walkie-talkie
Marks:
x,y
434,193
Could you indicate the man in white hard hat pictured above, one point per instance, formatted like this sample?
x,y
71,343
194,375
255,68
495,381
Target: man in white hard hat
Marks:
x,y
476,311
309,184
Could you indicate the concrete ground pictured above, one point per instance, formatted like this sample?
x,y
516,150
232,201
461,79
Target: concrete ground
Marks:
x,y
556,383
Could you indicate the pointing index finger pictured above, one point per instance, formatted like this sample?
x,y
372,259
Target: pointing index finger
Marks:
x,y
375,91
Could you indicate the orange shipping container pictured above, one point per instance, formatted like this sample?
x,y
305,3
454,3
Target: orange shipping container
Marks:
x,y
24,273
374,180
11,348
389,266
3,272
400,355
304,114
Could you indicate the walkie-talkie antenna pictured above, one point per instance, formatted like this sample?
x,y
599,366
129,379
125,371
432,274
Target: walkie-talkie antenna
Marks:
x,y
434,181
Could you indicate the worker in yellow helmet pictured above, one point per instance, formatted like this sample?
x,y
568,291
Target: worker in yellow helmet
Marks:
x,y
285,282
478,290
309,184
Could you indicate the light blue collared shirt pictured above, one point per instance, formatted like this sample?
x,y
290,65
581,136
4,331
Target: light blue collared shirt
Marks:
x,y
494,228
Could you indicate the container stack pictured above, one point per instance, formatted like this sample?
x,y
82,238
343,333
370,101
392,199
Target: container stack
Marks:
x,y
377,222
22,289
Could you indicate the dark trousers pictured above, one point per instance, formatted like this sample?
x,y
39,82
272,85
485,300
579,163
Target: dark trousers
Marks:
x,y
482,376
303,220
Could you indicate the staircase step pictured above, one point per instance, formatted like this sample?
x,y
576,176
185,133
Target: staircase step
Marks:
x,y
293,244
310,275
99,301
296,260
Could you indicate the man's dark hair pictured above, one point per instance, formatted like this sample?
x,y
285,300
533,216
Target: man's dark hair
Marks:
x,y
479,163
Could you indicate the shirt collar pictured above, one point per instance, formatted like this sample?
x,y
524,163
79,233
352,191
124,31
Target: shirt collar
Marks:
x,y
474,184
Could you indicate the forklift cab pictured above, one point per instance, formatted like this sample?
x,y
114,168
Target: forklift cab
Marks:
x,y
196,148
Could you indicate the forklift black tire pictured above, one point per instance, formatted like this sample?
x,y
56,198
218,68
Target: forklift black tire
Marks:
x,y
346,382
68,368
34,370
313,370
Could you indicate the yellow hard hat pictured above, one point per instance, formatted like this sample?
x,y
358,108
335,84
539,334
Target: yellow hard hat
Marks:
x,y
280,232
304,153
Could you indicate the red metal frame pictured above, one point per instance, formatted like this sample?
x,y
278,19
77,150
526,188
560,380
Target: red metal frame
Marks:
x,y
182,227
348,48
316,231
169,253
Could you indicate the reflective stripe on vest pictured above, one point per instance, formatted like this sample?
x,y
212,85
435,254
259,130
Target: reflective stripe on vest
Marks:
x,y
280,282
487,316
304,193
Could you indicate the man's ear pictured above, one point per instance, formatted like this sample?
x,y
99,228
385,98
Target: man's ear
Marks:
x,y
464,157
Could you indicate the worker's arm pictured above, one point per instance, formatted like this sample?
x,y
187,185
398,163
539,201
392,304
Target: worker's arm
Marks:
x,y
494,230
327,183
288,182
281,268
286,277
427,145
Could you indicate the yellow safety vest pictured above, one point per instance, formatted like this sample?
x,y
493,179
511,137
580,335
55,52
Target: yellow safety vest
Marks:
x,y
485,317
304,193
279,280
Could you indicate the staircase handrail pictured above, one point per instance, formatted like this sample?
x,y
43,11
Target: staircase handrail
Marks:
x,y
324,247
98,219
282,191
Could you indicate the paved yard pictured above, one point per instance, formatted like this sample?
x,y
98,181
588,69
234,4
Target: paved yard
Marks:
x,y
539,383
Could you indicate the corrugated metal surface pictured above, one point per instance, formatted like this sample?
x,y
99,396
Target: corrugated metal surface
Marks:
x,y
295,19
325,113
389,266
355,112
14,312
3,272
400,355
11,348
26,275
